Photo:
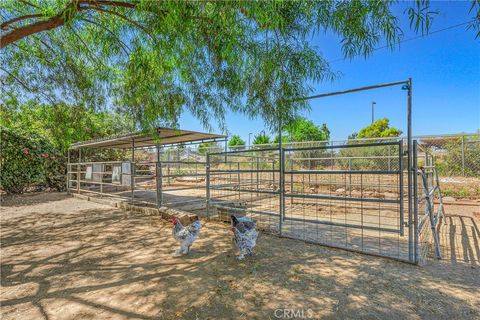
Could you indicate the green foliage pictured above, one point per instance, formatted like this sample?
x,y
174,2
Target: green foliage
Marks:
x,y
29,161
450,162
236,141
155,59
285,139
62,124
261,138
208,147
379,129
302,129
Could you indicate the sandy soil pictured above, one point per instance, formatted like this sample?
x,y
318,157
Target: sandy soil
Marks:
x,y
65,258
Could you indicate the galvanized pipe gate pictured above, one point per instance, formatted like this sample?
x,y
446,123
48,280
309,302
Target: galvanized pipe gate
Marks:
x,y
342,198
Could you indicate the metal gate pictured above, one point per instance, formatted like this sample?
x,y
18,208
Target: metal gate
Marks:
x,y
348,196
351,196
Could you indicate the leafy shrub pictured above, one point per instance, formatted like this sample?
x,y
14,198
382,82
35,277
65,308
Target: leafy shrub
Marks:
x,y
448,158
29,161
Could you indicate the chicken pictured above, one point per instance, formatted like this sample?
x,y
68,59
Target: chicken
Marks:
x,y
245,235
185,235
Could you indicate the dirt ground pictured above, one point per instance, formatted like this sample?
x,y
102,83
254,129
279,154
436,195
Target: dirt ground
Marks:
x,y
66,258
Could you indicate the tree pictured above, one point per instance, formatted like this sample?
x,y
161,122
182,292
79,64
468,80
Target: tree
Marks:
x,y
155,59
302,129
261,138
208,147
62,125
236,141
379,129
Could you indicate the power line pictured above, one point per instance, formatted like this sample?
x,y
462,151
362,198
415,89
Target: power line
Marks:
x,y
413,38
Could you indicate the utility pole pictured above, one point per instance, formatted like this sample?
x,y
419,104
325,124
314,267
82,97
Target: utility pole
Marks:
x,y
373,111
249,140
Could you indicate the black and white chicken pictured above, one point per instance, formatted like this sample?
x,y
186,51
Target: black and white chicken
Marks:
x,y
185,235
245,235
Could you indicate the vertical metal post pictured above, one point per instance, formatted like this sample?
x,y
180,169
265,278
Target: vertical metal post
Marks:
x,y
79,166
291,182
350,176
208,185
400,187
281,188
159,179
256,157
238,179
132,170
415,204
68,171
389,155
168,166
273,171
463,156
226,149
409,169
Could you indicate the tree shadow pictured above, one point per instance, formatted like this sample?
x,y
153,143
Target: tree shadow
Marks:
x,y
118,264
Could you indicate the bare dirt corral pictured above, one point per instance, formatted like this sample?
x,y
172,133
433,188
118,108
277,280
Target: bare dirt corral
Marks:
x,y
65,258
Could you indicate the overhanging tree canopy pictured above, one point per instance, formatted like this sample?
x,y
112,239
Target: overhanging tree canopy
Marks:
x,y
154,59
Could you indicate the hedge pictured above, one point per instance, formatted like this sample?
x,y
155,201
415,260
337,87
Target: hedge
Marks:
x,y
29,161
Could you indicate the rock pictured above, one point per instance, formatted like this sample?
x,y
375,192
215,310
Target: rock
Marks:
x,y
340,190
449,199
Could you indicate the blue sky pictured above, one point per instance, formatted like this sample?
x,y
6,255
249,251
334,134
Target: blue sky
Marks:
x,y
445,68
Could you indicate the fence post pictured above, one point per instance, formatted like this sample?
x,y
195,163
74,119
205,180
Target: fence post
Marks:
x,y
159,179
257,171
132,171
68,171
207,178
238,179
79,169
291,182
415,203
401,191
463,156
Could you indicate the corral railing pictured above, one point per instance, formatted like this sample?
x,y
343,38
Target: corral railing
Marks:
x,y
456,155
352,196
245,181
173,183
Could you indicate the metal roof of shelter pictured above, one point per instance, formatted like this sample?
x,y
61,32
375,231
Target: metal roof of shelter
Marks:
x,y
165,136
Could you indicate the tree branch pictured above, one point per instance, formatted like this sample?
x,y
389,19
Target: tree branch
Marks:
x,y
125,48
109,3
5,24
124,18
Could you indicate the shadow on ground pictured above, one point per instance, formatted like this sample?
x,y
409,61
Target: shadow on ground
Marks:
x,y
67,258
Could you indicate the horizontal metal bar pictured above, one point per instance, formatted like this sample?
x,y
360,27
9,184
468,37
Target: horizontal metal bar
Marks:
x,y
339,158
347,225
242,151
342,172
183,162
184,175
360,145
268,213
98,162
377,86
104,183
362,251
244,171
182,188
337,198
249,191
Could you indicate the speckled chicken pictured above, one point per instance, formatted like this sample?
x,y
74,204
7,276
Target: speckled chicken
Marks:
x,y
185,235
245,235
